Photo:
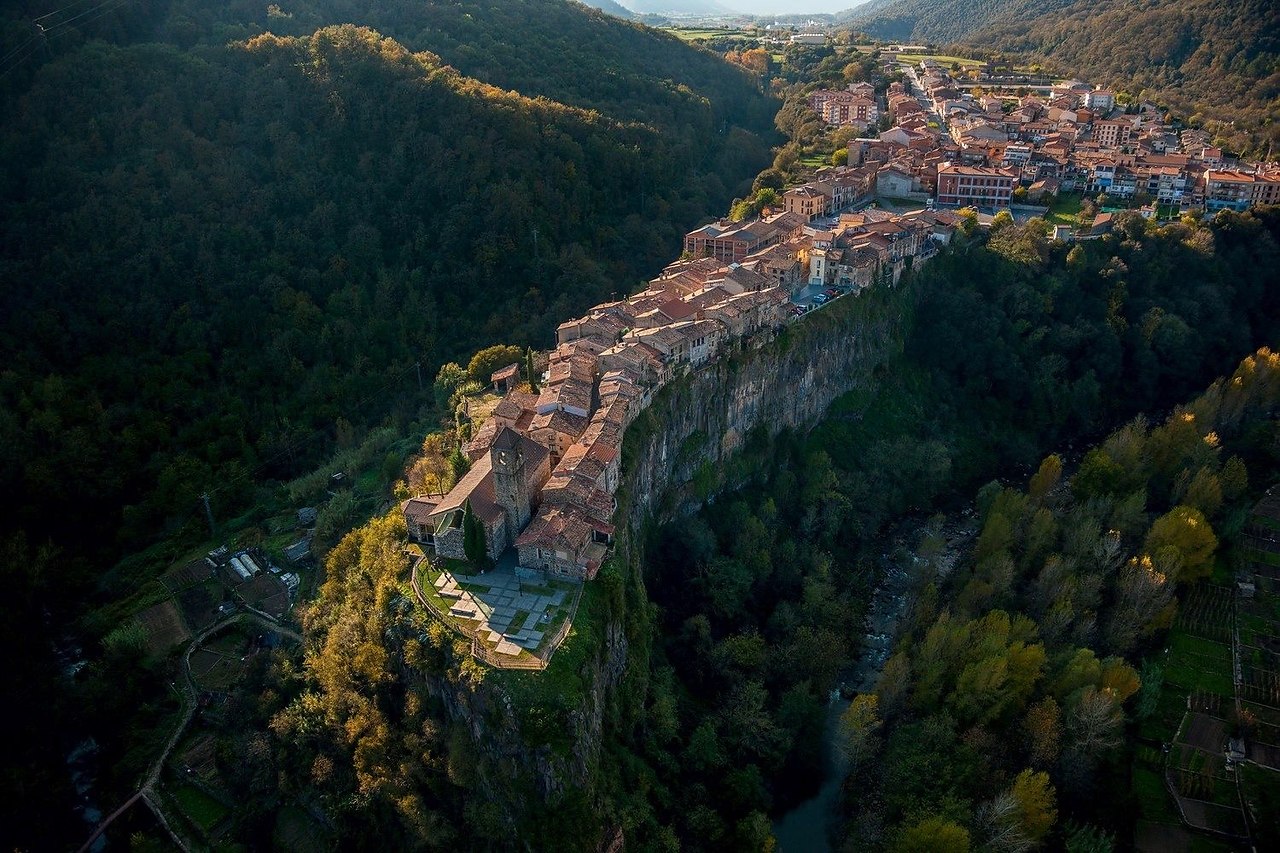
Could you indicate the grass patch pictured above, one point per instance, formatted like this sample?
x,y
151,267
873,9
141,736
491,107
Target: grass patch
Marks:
x,y
1184,643
1065,209
703,33
457,567
1265,557
200,808
1153,799
1191,676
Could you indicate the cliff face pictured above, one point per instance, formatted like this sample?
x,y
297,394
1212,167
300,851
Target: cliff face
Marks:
x,y
783,383
596,686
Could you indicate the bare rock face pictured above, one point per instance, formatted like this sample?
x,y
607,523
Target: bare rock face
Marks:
x,y
786,382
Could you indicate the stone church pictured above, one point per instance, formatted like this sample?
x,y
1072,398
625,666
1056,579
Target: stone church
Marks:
x,y
502,487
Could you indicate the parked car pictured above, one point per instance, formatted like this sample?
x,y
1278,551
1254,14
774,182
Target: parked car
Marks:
x,y
821,299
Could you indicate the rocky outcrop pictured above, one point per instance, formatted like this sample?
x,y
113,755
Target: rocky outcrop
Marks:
x,y
783,381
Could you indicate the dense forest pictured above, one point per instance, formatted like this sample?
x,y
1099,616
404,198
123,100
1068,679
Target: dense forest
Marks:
x,y
1000,720
232,236
1214,60
1018,345
269,258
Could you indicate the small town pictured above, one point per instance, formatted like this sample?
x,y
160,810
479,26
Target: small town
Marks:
x,y
544,467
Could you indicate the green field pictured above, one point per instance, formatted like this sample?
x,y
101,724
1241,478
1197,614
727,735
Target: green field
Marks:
x,y
916,58
203,810
695,33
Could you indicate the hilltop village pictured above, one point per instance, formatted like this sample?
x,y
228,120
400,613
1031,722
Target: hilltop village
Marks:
x,y
544,467
983,144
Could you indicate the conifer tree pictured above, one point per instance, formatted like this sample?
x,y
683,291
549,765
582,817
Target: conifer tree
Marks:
x,y
528,370
473,538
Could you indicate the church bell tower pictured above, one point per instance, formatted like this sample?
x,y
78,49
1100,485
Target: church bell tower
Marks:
x,y
510,483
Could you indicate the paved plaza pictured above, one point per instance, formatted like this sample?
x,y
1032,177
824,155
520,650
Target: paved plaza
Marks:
x,y
514,607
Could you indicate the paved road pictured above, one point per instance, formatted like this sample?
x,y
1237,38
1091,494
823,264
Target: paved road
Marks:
x,y
147,790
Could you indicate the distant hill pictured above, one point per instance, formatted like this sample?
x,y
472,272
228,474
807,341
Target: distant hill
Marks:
x,y
939,20
611,8
678,8
1217,57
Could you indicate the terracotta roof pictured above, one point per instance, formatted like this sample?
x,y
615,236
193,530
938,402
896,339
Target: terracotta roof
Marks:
x,y
675,310
565,423
511,371
477,486
512,406
418,510
482,440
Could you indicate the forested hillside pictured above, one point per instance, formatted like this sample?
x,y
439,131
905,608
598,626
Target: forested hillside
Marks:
x,y
212,252
939,21
611,8
1016,677
1219,58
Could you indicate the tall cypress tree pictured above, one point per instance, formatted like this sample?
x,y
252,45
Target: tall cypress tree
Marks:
x,y
528,370
473,538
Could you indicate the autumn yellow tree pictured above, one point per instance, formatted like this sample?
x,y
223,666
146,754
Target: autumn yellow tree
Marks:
x,y
933,835
1186,530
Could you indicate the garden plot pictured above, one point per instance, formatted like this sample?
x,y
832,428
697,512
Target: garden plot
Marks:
x,y
200,603
187,575
163,626
1206,613
220,663
1258,629
266,593
1199,668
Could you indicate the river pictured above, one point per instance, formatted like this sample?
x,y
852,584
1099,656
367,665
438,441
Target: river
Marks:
x,y
807,827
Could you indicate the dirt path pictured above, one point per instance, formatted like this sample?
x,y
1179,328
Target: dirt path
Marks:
x,y
147,790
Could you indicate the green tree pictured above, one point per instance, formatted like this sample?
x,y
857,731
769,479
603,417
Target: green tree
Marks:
x,y
490,359
1045,478
1043,725
1084,838
529,373
770,178
1037,809
459,464
859,725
